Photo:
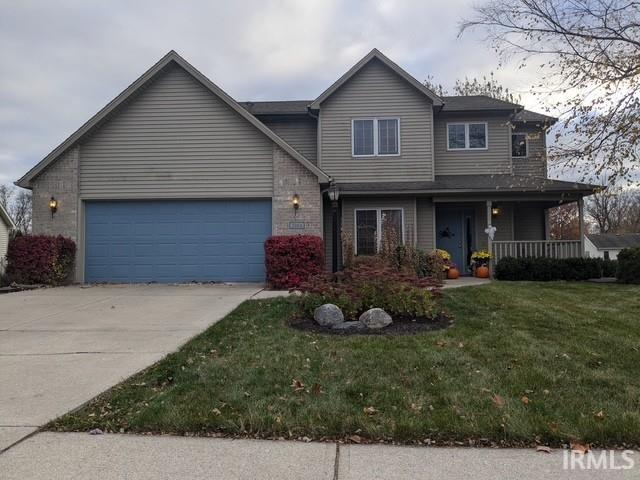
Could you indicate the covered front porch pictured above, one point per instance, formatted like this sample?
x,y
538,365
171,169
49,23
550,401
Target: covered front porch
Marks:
x,y
504,214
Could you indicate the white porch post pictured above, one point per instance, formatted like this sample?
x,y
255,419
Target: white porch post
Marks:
x,y
489,239
581,223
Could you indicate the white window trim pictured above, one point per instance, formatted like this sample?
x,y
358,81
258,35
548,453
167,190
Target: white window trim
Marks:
x,y
466,136
378,225
526,144
375,137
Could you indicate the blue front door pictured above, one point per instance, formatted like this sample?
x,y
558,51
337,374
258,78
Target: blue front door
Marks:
x,y
176,241
450,234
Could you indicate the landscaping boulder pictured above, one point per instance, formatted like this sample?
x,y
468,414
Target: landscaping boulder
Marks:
x,y
349,326
328,315
376,318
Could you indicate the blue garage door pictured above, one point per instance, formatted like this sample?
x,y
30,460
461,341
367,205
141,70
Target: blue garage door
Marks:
x,y
176,241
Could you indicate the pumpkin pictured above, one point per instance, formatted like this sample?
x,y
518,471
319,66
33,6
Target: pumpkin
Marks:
x,y
482,271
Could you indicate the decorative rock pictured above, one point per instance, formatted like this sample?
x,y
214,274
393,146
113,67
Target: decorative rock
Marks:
x,y
328,315
375,318
349,326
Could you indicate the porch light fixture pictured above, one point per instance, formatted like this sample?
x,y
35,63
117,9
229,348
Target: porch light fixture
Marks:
x,y
53,206
334,192
296,201
495,211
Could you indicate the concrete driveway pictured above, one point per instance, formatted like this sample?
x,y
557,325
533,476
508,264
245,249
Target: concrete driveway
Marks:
x,y
60,347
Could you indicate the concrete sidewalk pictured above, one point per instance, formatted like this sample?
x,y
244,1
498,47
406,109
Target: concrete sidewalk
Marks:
x,y
60,347
80,455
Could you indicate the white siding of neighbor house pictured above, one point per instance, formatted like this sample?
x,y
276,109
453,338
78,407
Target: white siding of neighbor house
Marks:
x,y
495,159
4,242
377,91
176,140
593,252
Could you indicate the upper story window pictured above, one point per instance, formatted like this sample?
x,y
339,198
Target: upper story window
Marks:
x,y
467,136
518,144
375,136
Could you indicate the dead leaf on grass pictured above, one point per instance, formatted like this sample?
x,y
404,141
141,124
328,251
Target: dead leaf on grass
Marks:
x,y
215,411
525,400
599,415
355,438
497,400
579,447
317,389
297,385
441,343
370,410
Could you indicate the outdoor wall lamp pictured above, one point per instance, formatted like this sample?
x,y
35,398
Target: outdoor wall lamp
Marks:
x,y
296,201
53,206
495,211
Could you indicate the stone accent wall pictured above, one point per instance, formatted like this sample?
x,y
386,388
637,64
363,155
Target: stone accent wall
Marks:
x,y
60,180
289,178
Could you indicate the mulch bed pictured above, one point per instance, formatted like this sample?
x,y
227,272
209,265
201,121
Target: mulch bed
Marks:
x,y
401,326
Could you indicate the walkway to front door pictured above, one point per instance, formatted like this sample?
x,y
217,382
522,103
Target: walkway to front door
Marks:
x,y
455,234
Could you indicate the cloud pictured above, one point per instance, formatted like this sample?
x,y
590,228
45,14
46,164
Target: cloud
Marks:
x,y
60,62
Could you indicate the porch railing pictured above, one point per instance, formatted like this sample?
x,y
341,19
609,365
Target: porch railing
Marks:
x,y
536,248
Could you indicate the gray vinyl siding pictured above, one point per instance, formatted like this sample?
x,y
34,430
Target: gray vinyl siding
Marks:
x,y
350,204
299,132
494,160
503,222
176,140
376,91
529,220
425,218
535,163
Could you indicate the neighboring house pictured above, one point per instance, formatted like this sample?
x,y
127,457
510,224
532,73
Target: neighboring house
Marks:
x,y
6,225
176,181
608,245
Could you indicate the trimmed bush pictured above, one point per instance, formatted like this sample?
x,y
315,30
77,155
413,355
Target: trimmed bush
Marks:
x,y
629,265
370,284
291,260
543,269
40,259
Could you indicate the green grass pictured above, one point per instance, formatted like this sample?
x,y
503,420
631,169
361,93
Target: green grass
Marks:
x,y
572,348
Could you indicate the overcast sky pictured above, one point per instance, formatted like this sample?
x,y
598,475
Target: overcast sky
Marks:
x,y
61,61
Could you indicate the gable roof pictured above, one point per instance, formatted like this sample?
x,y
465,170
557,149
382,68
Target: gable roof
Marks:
x,y
377,54
527,116
172,56
614,241
6,218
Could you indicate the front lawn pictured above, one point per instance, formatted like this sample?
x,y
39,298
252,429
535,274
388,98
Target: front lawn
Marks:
x,y
523,363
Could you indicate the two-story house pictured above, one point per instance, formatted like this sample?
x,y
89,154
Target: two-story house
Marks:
x,y
176,181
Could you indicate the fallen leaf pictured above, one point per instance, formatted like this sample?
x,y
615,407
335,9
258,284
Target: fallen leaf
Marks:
x,y
316,389
297,385
579,447
545,391
525,400
553,427
497,400
415,408
441,343
599,415
543,449
215,411
370,410
355,438
96,431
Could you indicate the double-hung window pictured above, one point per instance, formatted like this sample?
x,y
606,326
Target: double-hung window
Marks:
x,y
375,137
467,136
518,144
374,224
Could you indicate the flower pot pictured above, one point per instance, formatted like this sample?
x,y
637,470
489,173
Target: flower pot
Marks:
x,y
482,271
453,273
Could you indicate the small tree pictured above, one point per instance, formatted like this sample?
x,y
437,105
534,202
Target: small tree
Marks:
x,y
488,86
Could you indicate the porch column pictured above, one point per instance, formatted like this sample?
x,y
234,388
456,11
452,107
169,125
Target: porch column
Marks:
x,y
489,240
581,224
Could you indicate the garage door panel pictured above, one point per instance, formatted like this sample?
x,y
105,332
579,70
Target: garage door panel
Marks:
x,y
176,241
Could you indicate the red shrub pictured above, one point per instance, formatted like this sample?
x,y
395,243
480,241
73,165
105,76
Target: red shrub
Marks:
x,y
291,260
33,259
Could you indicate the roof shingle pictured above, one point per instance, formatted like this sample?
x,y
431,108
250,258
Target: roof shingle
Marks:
x,y
603,241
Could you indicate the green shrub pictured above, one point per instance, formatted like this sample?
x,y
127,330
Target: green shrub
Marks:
x,y
543,269
609,267
629,265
